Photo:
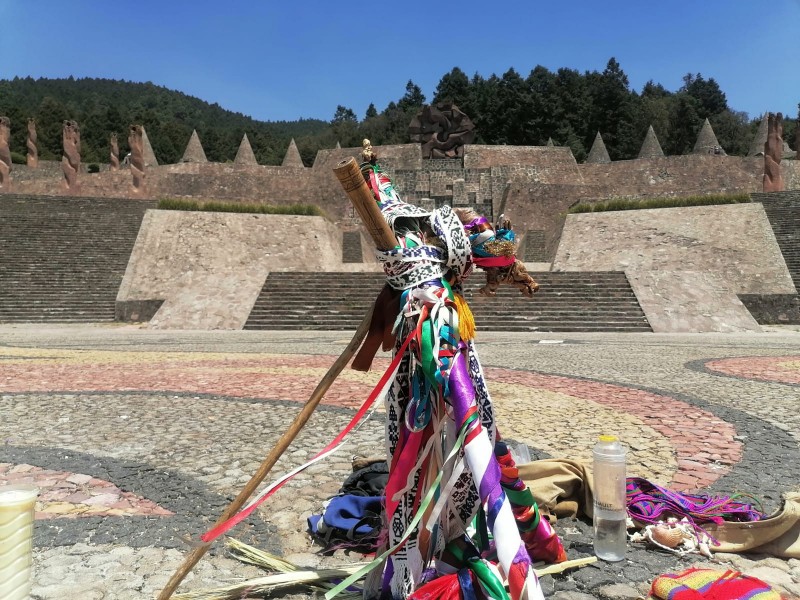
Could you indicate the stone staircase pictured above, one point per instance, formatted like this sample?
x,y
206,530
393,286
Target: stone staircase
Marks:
x,y
783,212
566,301
62,259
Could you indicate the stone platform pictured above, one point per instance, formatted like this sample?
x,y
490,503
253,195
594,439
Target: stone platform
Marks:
x,y
138,439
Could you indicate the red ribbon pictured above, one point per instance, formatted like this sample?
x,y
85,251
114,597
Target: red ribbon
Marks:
x,y
222,528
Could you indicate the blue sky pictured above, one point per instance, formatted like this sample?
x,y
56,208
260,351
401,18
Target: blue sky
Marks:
x,y
277,60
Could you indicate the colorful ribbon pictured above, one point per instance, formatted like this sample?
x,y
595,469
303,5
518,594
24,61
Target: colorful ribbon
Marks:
x,y
222,528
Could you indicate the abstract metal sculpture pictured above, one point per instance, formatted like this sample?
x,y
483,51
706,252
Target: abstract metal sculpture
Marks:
x,y
443,130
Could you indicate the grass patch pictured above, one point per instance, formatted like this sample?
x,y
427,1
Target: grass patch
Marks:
x,y
639,203
307,210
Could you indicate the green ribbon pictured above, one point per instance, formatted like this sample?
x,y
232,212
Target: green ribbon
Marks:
x,y
423,507
485,575
524,498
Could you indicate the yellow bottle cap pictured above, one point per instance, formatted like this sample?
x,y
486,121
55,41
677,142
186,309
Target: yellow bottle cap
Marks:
x,y
608,438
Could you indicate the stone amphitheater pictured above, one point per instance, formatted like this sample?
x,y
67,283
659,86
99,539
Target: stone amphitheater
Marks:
x,y
100,250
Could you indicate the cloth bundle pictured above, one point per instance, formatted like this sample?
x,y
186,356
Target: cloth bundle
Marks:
x,y
440,428
348,521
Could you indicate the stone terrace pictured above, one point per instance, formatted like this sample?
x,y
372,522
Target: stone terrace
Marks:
x,y
62,259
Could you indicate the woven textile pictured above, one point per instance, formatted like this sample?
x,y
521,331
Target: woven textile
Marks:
x,y
708,584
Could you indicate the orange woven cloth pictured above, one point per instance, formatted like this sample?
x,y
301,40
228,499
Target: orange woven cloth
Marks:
x,y
709,584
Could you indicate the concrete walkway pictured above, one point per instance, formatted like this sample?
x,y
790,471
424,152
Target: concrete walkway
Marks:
x,y
138,439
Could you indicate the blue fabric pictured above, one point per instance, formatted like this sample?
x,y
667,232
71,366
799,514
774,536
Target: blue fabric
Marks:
x,y
351,516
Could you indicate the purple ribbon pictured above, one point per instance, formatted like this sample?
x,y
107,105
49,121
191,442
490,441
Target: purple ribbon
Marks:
x,y
462,398
475,222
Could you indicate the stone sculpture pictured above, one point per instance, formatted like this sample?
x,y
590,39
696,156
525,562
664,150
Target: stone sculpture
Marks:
x,y
443,130
136,157
33,151
598,154
5,153
245,156
707,142
797,139
71,159
114,152
773,150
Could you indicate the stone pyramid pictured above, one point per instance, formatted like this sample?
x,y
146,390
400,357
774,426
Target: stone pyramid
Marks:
x,y
757,147
292,158
707,141
598,155
338,145
194,152
147,151
550,143
650,147
244,155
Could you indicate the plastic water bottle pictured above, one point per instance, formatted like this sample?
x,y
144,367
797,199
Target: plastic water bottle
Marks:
x,y
610,532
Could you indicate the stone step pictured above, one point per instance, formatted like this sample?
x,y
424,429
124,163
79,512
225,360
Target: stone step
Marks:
x,y
63,259
542,327
568,301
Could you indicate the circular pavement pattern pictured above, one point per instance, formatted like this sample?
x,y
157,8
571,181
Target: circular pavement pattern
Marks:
x,y
778,369
670,441
138,452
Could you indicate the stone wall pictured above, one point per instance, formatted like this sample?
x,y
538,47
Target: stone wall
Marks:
x,y
552,163
674,176
399,156
208,268
538,183
682,262
541,207
790,169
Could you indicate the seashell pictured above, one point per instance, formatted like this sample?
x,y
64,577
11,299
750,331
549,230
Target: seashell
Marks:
x,y
666,536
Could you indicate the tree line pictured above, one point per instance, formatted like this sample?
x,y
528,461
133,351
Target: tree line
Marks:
x,y
567,106
103,106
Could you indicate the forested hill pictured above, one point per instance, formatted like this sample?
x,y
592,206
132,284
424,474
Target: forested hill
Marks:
x,y
566,106
102,106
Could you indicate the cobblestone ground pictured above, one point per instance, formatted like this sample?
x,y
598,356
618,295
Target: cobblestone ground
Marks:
x,y
138,439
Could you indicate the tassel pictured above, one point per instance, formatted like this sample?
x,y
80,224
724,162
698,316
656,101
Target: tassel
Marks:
x,y
466,322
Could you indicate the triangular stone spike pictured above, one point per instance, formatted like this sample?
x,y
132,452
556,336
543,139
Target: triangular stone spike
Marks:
x,y
194,152
757,147
650,147
245,156
292,158
338,145
147,151
707,141
598,155
550,142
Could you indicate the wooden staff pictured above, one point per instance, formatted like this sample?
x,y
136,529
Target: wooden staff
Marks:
x,y
357,190
349,175
280,447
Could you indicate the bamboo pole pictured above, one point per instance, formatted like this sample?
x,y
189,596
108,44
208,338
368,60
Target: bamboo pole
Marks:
x,y
349,175
356,188
280,447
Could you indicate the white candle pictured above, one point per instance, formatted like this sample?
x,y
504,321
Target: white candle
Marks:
x,y
16,540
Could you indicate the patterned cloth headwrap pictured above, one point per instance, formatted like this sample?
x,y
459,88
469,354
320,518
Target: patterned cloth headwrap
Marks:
x,y
409,267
